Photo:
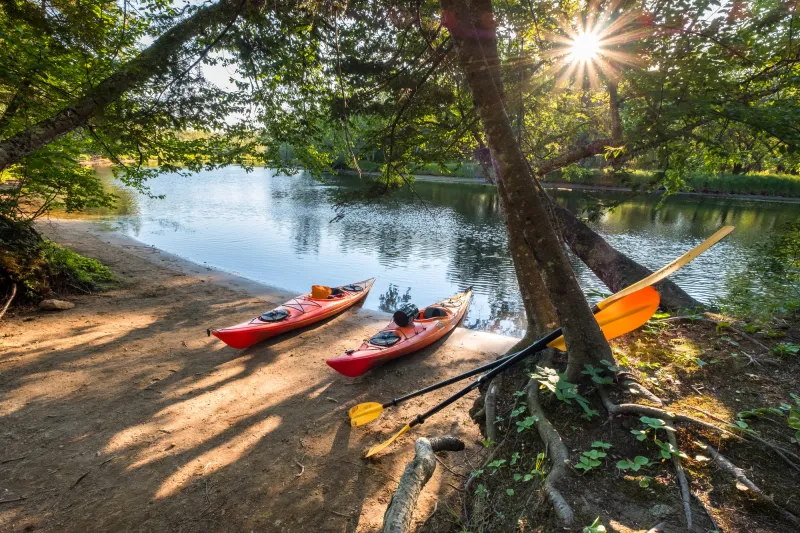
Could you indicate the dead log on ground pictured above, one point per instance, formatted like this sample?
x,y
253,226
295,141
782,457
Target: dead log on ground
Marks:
x,y
397,518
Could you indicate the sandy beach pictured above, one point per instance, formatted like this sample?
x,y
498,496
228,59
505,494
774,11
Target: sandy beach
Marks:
x,y
122,415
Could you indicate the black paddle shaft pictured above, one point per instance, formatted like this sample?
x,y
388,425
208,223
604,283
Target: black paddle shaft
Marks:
x,y
469,373
535,347
503,364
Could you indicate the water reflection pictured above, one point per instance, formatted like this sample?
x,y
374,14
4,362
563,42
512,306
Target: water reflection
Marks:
x,y
392,298
277,229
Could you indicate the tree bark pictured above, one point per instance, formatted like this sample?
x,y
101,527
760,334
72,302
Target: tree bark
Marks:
x,y
473,30
159,58
614,268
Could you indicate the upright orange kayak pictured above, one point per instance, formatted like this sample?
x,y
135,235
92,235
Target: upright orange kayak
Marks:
x,y
393,341
296,313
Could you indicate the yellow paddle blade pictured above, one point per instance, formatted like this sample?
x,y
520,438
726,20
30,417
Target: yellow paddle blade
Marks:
x,y
380,447
364,413
623,316
677,264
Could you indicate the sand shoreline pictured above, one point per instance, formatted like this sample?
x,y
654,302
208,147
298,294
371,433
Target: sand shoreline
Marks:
x,y
121,414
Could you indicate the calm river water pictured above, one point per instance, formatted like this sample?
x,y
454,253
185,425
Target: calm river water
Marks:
x,y
278,230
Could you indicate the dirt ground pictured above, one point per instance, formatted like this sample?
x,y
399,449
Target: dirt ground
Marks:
x,y
122,415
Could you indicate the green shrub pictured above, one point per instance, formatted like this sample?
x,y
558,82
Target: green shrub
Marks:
x,y
65,263
41,268
575,174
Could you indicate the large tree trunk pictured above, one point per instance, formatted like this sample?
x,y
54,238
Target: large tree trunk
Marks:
x,y
614,268
473,31
158,59
539,311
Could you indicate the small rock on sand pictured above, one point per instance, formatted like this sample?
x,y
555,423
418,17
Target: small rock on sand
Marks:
x,y
55,305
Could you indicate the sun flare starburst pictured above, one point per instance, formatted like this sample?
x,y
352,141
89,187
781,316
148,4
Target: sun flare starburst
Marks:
x,y
599,44
585,47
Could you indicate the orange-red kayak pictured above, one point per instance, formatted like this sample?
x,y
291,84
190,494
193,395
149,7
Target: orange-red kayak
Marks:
x,y
296,313
393,341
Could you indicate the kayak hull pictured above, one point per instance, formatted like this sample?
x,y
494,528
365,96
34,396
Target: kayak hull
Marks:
x,y
417,335
302,311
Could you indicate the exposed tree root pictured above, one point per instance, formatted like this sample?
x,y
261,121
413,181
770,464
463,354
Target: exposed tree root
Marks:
x,y
721,460
629,381
559,455
655,412
686,494
397,518
10,299
725,464
490,409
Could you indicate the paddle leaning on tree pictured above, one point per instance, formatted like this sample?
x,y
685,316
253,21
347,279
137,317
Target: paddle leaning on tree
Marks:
x,y
618,314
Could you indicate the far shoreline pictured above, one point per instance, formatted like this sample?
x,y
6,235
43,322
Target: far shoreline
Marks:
x,y
563,185
558,185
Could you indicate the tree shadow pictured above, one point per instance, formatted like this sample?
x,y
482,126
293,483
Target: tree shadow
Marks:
x,y
131,419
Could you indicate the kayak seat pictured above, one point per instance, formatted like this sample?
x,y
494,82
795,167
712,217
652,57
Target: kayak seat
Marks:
x,y
336,293
434,312
276,315
385,338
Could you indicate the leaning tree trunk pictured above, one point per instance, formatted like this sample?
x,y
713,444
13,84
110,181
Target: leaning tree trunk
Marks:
x,y
614,268
539,311
473,31
159,58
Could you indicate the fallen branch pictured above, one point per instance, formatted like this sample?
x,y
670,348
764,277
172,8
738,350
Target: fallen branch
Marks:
x,y
490,407
559,455
782,452
397,518
686,494
726,465
8,302
724,324
708,513
709,317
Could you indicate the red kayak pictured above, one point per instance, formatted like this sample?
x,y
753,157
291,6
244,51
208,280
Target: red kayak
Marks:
x,y
296,313
432,323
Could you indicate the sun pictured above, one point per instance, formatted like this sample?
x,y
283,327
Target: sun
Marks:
x,y
599,44
585,47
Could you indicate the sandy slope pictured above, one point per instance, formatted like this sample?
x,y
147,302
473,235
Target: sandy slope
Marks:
x,y
121,415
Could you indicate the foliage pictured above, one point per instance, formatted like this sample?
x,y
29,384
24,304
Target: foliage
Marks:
x,y
790,411
563,390
42,268
595,527
636,464
768,287
596,374
591,458
51,178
